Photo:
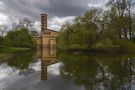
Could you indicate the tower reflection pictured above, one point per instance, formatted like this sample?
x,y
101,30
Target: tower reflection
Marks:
x,y
48,57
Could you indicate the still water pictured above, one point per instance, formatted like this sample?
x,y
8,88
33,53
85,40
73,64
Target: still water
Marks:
x,y
44,70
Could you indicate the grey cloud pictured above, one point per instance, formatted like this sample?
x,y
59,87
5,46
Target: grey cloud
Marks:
x,y
15,8
33,8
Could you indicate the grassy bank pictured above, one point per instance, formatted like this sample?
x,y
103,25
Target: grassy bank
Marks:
x,y
99,50
13,49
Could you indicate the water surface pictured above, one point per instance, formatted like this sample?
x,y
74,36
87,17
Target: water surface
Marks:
x,y
46,70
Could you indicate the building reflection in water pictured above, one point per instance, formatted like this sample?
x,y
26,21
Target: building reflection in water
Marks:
x,y
48,57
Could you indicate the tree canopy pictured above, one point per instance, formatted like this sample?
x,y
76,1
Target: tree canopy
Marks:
x,y
96,28
20,38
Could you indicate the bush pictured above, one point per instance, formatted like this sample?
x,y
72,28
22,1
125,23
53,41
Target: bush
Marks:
x,y
127,45
1,41
106,43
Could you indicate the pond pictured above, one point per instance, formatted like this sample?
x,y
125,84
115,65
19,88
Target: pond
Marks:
x,y
46,70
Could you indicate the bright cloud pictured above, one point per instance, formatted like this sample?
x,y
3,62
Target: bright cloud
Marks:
x,y
56,22
97,3
3,18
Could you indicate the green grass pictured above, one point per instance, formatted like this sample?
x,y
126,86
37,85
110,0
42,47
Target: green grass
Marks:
x,y
12,49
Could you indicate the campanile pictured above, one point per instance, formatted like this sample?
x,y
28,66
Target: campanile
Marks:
x,y
43,22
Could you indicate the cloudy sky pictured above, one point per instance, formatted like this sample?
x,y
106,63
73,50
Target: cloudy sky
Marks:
x,y
59,11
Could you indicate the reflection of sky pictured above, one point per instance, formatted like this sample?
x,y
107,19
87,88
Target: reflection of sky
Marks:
x,y
35,66
54,69
9,75
33,82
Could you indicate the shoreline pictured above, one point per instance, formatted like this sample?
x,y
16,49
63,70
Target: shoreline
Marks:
x,y
13,49
101,50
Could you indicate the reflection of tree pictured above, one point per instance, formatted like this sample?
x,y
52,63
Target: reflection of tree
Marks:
x,y
96,72
20,60
122,73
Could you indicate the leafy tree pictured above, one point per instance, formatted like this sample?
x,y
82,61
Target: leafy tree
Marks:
x,y
1,41
81,33
20,38
99,29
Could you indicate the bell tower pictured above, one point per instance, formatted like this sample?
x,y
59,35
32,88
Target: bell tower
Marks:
x,y
43,22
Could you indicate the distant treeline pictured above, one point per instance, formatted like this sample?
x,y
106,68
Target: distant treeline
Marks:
x,y
112,27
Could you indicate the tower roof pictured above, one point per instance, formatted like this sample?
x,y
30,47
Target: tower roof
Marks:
x,y
43,14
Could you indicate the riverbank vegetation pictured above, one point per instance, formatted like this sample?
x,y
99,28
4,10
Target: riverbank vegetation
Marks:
x,y
18,38
112,28
13,49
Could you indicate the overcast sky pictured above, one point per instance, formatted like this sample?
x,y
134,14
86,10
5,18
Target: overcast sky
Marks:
x,y
59,11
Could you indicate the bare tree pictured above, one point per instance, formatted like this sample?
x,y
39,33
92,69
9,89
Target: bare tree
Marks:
x,y
23,23
3,30
129,4
124,9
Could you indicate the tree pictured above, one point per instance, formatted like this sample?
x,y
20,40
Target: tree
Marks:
x,y
95,29
82,33
124,8
20,38
23,23
3,30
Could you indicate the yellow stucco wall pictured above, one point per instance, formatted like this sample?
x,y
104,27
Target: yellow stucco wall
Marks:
x,y
45,41
48,38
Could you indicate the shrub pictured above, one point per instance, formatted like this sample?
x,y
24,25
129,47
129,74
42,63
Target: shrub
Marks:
x,y
106,43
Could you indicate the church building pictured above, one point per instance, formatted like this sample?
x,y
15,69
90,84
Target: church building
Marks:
x,y
48,36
